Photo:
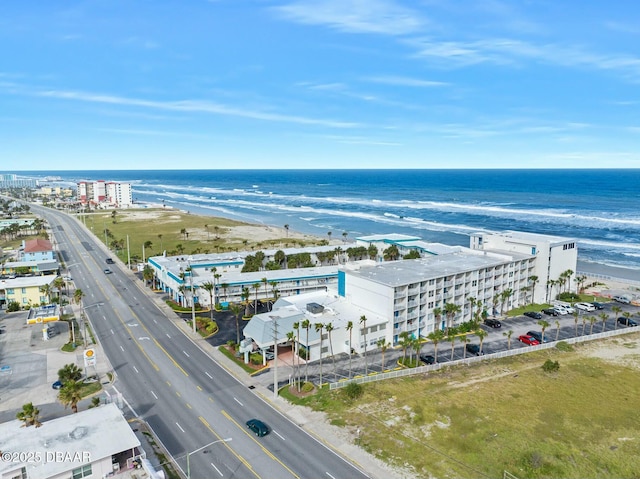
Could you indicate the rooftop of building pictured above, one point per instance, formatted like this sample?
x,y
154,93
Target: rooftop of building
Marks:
x,y
399,273
533,237
101,431
390,237
27,281
37,245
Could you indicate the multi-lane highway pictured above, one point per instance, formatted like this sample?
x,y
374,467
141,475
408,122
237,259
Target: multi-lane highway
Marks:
x,y
187,398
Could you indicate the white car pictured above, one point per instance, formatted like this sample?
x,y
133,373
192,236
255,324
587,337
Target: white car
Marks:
x,y
622,299
585,307
560,310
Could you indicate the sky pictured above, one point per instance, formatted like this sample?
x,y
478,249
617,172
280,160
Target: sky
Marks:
x,y
247,84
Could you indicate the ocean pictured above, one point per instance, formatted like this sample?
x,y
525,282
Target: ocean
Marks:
x,y
599,208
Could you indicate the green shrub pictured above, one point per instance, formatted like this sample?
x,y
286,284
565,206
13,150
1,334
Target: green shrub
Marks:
x,y
569,297
13,306
307,387
354,390
564,346
550,366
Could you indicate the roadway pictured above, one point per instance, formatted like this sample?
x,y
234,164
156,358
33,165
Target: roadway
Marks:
x,y
187,398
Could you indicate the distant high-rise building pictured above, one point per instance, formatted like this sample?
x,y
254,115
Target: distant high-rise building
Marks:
x,y
105,193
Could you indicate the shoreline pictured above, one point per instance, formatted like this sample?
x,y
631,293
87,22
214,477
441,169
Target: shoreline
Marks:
x,y
266,232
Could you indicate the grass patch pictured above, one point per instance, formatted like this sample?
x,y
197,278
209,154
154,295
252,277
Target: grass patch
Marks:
x,y
529,307
580,421
69,347
238,361
87,389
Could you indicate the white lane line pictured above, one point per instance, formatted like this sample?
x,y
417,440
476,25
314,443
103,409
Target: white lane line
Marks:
x,y
185,353
155,321
212,465
180,427
168,335
276,433
122,349
329,475
154,395
236,400
209,375
136,370
112,332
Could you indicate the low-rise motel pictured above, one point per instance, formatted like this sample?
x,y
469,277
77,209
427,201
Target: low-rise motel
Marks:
x,y
392,296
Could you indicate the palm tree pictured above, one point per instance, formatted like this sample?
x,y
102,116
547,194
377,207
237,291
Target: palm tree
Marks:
x,y
508,334
46,290
616,311
236,310
580,281
256,286
328,328
543,325
70,395
296,328
329,235
405,343
584,324
504,297
59,283
435,337
576,318
383,344
450,310
592,319
265,281
78,294
344,236
465,339
245,297
306,324
604,317
363,321
533,279
451,336
481,333
416,345
437,314
286,228
550,284
69,372
160,238
557,329
208,286
224,287
319,327
29,415
350,329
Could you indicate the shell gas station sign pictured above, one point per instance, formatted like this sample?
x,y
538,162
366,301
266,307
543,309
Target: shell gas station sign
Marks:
x,y
90,357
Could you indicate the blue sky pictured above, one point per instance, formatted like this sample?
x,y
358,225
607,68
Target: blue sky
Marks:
x,y
114,84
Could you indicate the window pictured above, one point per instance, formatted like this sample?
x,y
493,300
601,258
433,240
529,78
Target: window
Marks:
x,y
10,291
81,472
474,282
431,293
383,326
25,300
430,305
324,350
373,329
432,282
24,290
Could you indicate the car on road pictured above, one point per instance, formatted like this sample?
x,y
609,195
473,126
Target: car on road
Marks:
x,y
427,359
537,335
597,305
258,427
587,307
109,261
627,321
57,385
107,271
494,323
67,278
622,299
550,312
533,314
473,349
530,340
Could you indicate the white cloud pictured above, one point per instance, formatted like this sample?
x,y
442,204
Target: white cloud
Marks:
x,y
405,81
354,16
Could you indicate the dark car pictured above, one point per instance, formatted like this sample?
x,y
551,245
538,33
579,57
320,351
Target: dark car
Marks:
x,y
526,339
473,349
597,305
533,314
107,271
550,312
537,335
427,359
56,385
258,427
627,321
109,261
494,323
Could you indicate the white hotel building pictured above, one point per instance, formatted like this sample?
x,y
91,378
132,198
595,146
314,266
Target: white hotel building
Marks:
x,y
393,296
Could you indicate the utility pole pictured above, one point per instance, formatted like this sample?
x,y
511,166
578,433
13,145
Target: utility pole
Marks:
x,y
193,302
128,254
275,358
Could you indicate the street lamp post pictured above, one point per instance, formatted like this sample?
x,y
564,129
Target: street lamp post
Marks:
x,y
83,316
193,302
200,449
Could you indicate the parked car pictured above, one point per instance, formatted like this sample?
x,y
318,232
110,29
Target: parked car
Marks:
x,y
588,307
56,385
427,359
597,305
627,321
622,299
473,349
530,340
107,271
567,308
494,323
258,427
67,278
533,314
550,312
560,310
537,335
